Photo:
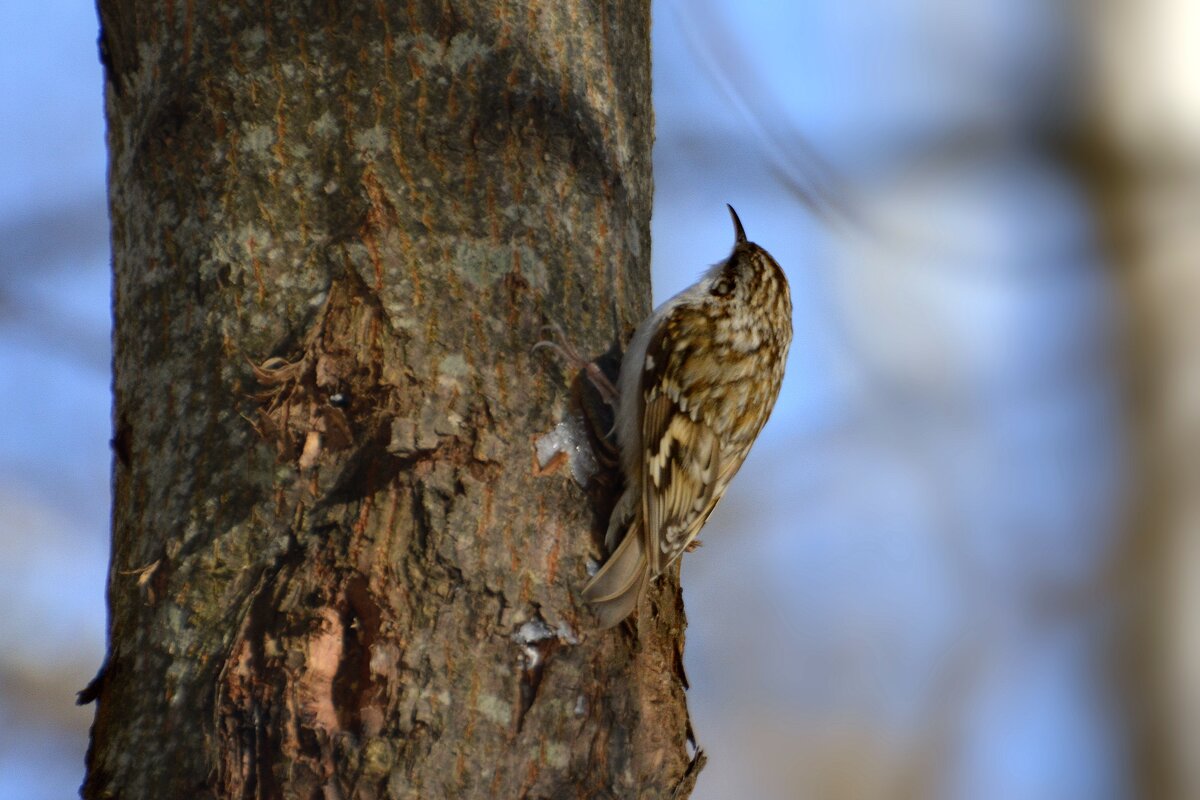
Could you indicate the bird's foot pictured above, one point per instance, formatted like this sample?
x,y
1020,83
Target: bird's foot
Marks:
x,y
567,352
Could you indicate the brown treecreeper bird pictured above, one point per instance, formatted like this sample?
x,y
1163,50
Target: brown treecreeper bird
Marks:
x,y
697,383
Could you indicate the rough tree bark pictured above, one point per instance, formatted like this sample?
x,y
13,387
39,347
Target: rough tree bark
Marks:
x,y
338,569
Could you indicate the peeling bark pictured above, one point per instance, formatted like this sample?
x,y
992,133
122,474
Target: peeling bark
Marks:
x,y
338,568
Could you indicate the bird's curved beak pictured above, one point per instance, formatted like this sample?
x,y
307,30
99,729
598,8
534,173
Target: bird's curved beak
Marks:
x,y
738,230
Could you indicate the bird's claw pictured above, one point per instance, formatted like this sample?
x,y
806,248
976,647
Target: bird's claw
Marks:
x,y
567,352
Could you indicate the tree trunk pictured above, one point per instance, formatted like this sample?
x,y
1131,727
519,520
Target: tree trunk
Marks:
x,y
338,568
1143,167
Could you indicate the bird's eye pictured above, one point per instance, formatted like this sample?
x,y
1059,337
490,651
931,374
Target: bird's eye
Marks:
x,y
722,288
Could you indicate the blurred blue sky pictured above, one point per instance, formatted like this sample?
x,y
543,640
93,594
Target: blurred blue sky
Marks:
x,y
944,461
54,374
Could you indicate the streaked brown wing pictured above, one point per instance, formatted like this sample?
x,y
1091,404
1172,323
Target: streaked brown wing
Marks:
x,y
680,475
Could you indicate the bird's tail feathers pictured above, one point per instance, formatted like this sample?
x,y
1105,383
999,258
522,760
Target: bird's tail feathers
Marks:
x,y
614,591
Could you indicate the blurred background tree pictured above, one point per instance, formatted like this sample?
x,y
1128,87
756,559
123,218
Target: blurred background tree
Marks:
x,y
960,562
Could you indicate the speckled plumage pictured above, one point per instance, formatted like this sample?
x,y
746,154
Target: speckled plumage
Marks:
x,y
697,383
